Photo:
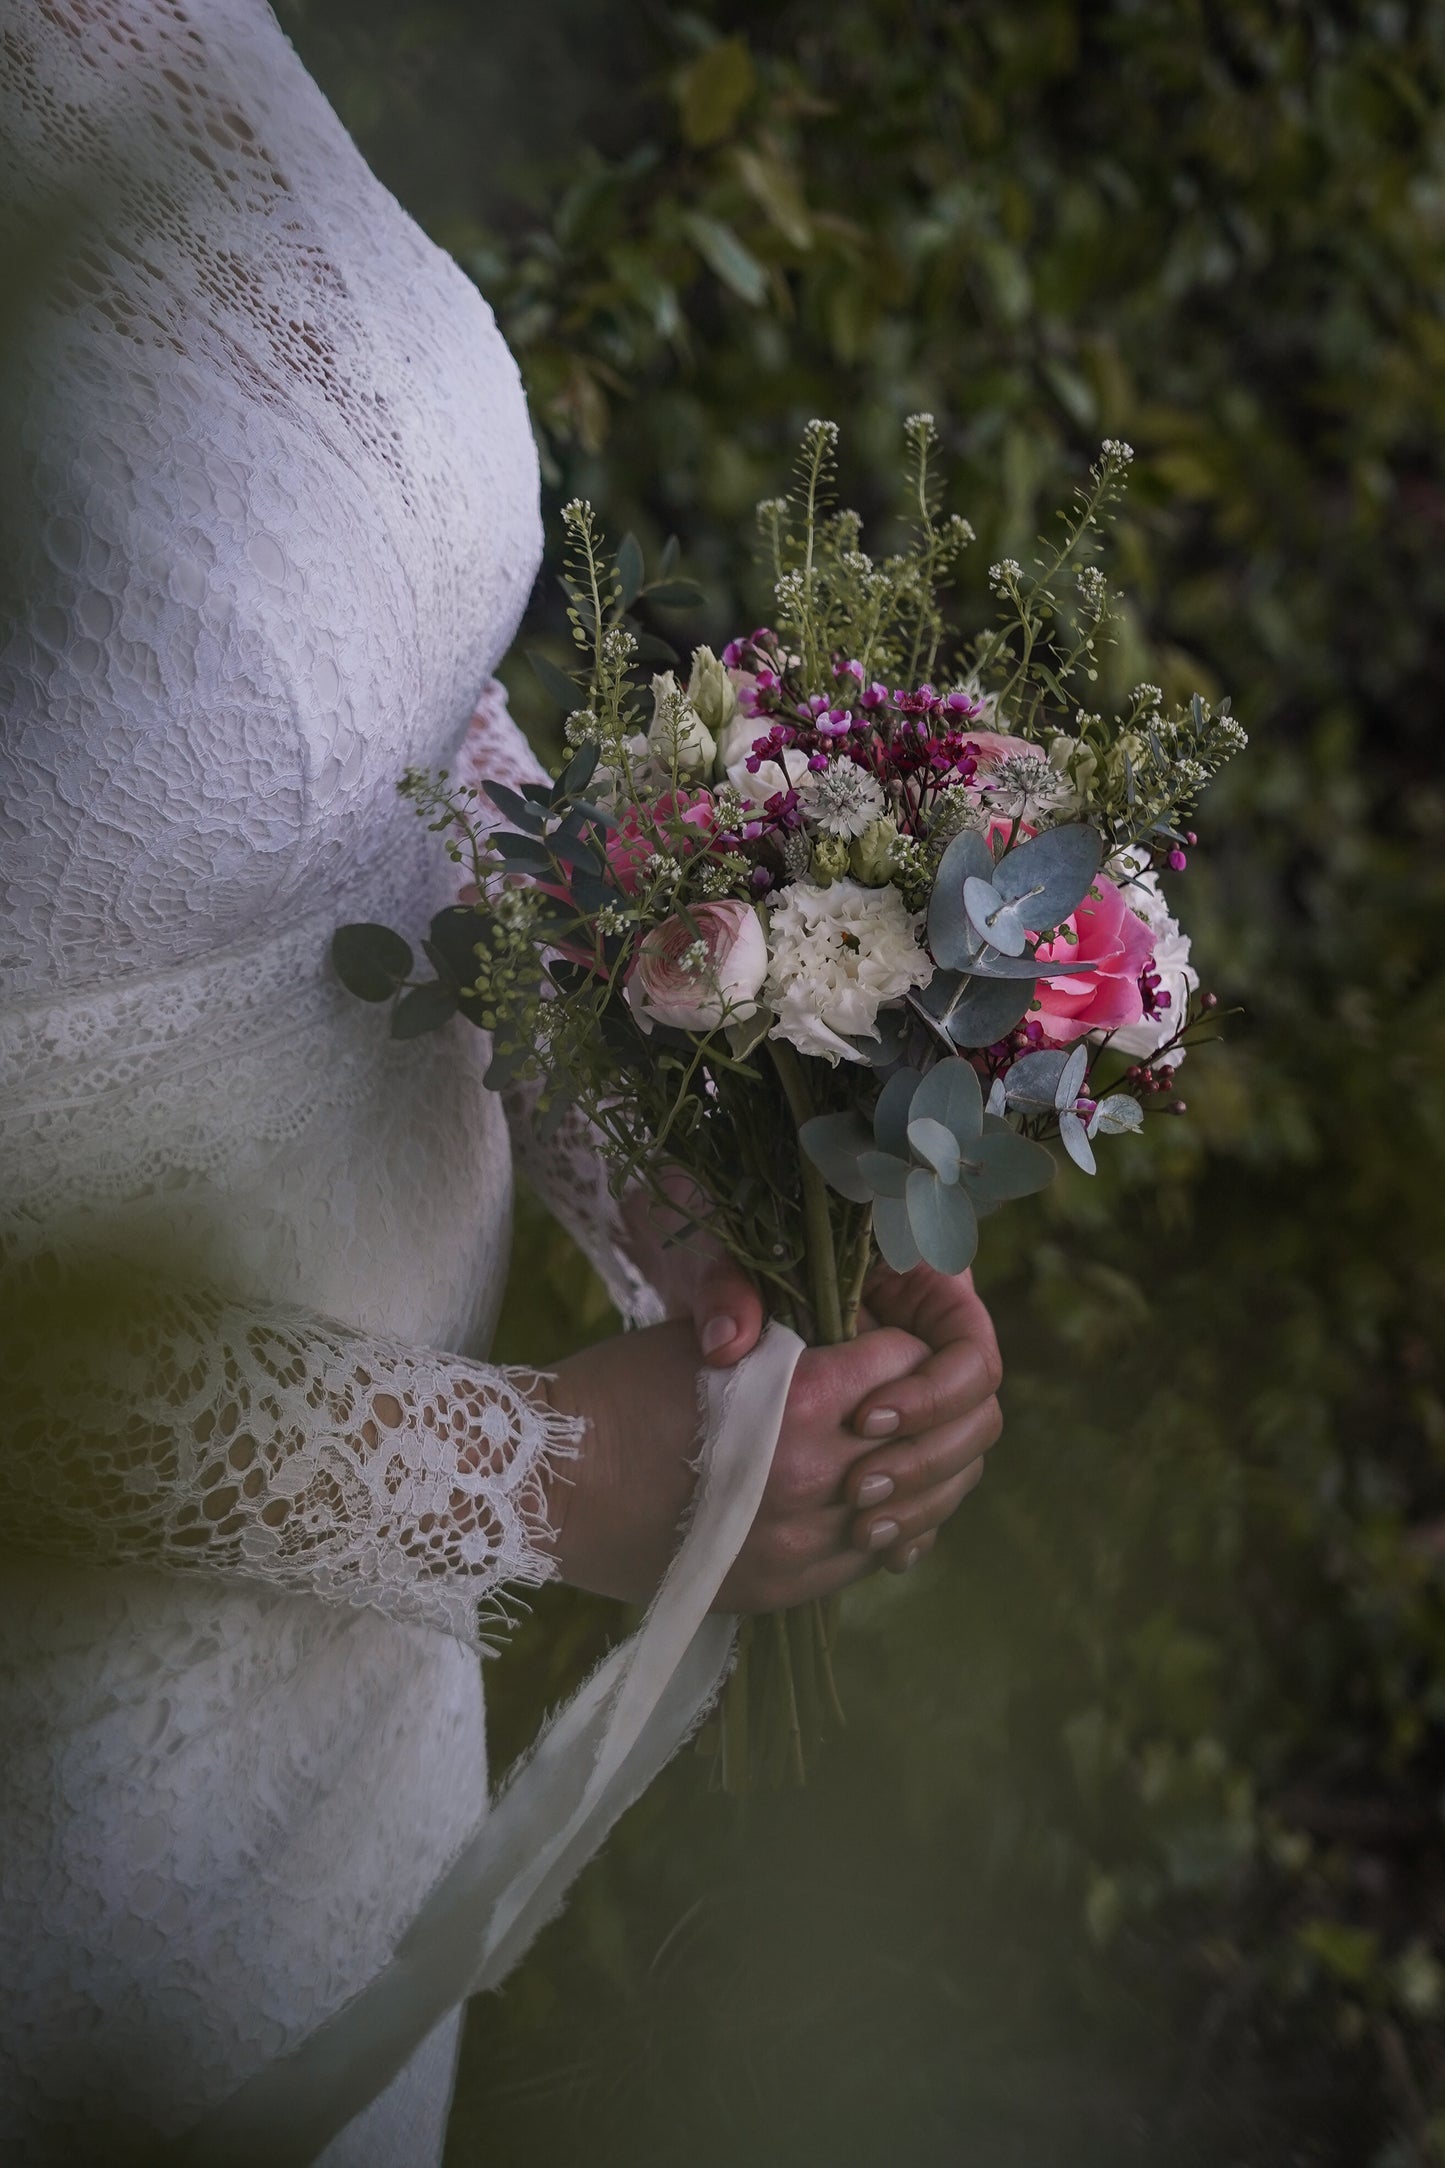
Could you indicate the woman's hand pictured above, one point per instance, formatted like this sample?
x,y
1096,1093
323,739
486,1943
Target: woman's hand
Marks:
x,y
922,1377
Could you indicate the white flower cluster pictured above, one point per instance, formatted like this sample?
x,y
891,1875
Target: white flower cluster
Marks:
x,y
835,955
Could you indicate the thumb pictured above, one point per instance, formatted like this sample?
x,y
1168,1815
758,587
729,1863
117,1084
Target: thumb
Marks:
x,y
727,1314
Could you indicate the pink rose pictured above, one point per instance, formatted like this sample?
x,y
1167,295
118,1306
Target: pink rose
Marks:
x,y
1116,946
992,746
683,820
673,980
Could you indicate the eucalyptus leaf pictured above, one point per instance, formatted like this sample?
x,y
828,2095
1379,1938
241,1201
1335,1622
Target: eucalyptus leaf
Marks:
x,y
1075,1140
370,960
990,964
1071,1080
422,1009
950,1094
988,1009
1003,1165
951,938
993,918
834,1142
886,1175
1033,1081
894,1235
1050,875
943,1223
997,1101
936,1146
890,1116
1116,1116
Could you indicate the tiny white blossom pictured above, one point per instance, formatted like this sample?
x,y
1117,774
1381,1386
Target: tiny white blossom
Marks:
x,y
1116,449
1007,569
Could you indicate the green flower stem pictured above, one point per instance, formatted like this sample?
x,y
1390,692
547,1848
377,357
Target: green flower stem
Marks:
x,y
817,1214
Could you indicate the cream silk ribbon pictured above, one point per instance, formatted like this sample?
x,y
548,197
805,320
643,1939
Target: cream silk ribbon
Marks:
x,y
598,1755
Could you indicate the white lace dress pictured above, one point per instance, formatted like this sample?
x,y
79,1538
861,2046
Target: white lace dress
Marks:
x,y
271,505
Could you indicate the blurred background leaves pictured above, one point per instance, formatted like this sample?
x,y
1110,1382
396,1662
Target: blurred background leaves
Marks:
x,y
1133,1851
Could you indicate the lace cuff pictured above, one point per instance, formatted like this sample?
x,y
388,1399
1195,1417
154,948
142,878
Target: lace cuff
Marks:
x,y
177,1429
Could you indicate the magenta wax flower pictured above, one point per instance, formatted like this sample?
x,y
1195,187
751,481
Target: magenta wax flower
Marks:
x,y
1117,947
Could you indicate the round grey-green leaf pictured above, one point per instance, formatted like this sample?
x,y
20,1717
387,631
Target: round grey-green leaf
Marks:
x,y
894,1235
950,1094
1076,1142
890,1116
885,1175
993,918
833,1143
1003,1165
943,1223
1050,875
936,1146
1116,1116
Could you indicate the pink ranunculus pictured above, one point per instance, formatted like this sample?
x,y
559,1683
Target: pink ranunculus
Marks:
x,y
669,984
1116,946
682,821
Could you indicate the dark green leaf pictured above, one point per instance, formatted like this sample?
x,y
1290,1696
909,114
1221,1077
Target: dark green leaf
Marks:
x,y
675,595
422,1009
512,806
579,771
563,689
371,961
630,569
725,256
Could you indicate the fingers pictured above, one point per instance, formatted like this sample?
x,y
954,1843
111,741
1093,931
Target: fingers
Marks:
x,y
830,1383
727,1314
947,1385
889,1534
877,1480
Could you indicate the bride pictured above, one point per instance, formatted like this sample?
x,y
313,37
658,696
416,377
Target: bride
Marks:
x,y
271,520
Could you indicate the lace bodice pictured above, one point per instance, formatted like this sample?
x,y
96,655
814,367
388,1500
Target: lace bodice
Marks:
x,y
273,518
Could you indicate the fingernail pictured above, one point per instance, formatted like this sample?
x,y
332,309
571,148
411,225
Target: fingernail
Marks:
x,y
880,1422
717,1332
912,1556
881,1534
874,1489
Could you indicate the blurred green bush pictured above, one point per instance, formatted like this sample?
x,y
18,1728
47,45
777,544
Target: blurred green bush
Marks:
x,y
1134,1851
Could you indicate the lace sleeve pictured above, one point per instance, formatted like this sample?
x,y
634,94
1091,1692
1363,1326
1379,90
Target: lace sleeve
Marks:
x,y
149,1423
567,1169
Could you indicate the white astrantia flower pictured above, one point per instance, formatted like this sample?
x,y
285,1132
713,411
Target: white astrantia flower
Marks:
x,y
835,955
841,799
1177,976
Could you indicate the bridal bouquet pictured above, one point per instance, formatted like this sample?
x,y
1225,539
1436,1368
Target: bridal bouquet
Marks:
x,y
851,917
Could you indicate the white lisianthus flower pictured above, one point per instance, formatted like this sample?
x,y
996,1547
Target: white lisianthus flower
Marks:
x,y
772,776
679,740
1177,976
835,955
841,799
710,690
735,740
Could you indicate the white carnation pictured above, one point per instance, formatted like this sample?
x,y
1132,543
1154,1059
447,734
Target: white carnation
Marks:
x,y
841,799
835,954
1177,976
